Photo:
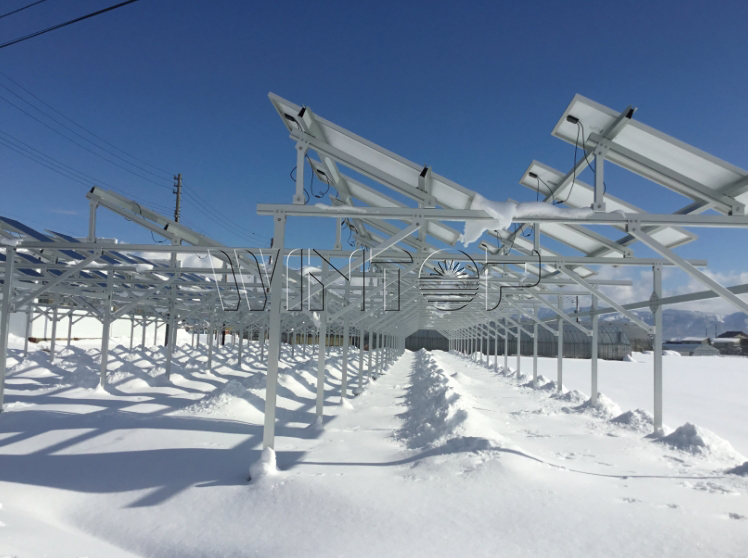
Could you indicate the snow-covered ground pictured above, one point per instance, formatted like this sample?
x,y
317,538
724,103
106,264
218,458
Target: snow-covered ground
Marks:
x,y
439,457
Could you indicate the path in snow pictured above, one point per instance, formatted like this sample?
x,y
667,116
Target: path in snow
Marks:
x,y
438,457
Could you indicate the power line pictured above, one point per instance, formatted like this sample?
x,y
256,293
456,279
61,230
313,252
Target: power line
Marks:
x,y
39,157
81,145
65,24
14,82
74,132
21,9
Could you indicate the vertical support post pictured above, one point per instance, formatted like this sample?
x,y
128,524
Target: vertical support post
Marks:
x,y
322,355
10,271
53,337
362,338
92,221
276,288
29,322
593,354
262,344
132,331
599,203
241,345
535,353
209,341
107,322
145,327
70,328
346,344
657,311
519,348
560,363
506,347
170,329
372,343
496,347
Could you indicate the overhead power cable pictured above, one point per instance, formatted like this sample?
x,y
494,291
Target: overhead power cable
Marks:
x,y
30,152
21,9
53,119
65,24
161,185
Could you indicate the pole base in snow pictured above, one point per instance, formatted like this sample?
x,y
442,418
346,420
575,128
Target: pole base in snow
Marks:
x,y
263,467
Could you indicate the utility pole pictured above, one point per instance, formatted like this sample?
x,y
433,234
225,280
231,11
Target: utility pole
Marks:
x,y
178,192
177,209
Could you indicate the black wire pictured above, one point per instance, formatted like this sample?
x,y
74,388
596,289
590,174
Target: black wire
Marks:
x,y
161,185
553,197
21,87
60,25
84,138
21,9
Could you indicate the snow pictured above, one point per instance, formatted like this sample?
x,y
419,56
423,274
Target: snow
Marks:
x,y
503,214
700,441
5,241
440,456
142,267
264,467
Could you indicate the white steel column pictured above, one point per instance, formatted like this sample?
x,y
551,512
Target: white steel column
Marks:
x,y
276,287
506,347
496,347
535,348
560,363
29,322
53,339
10,271
657,311
346,344
107,322
321,356
593,363
70,328
362,340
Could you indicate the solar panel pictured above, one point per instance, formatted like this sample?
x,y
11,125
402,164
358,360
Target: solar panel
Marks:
x,y
583,194
370,159
658,157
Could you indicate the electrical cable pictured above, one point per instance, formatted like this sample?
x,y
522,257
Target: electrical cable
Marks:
x,y
83,146
21,9
65,24
14,82
53,119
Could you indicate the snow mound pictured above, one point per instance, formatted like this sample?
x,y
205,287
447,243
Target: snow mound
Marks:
x,y
638,420
550,385
542,380
228,399
263,467
438,409
629,358
572,396
695,440
604,408
667,352
741,470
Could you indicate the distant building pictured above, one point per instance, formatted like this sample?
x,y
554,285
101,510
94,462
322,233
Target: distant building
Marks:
x,y
736,342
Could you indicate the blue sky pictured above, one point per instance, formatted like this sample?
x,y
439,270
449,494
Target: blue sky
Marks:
x,y
472,89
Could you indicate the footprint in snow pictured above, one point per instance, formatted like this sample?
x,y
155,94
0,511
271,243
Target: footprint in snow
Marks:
x,y
736,516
